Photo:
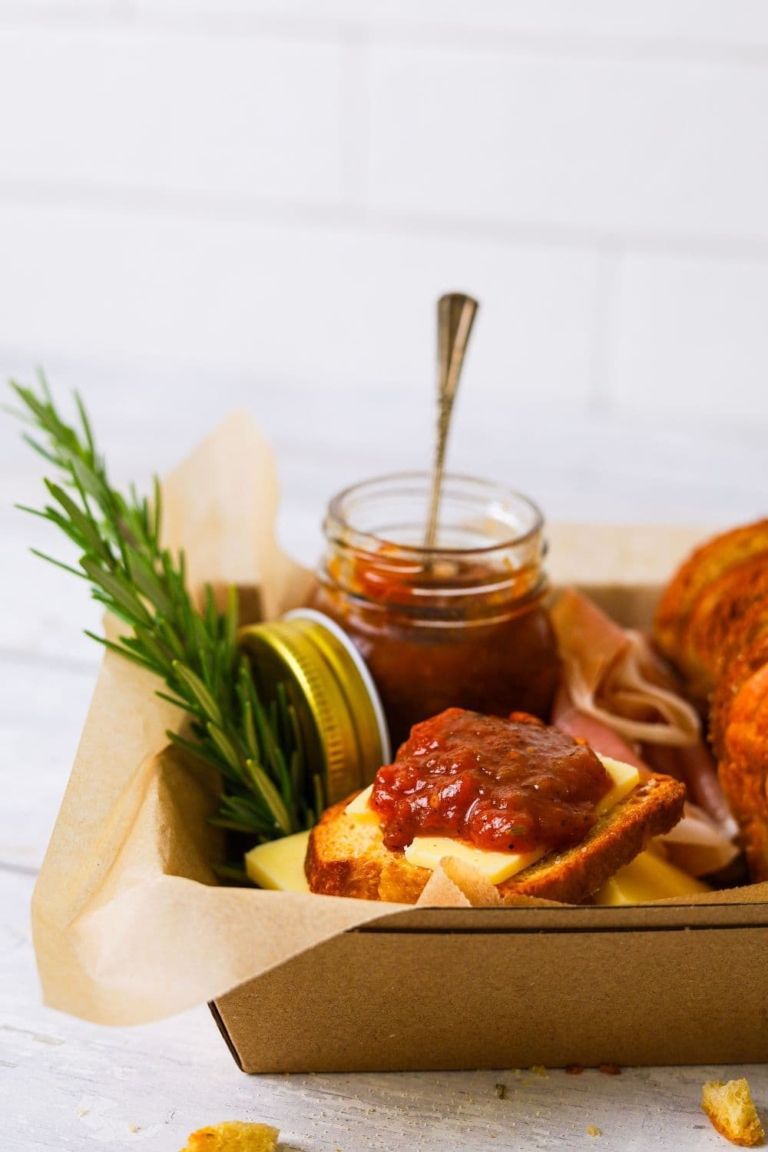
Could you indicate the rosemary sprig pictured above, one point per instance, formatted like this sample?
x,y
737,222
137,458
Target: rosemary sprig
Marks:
x,y
255,746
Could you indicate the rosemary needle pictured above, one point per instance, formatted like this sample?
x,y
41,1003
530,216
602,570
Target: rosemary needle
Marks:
x,y
255,746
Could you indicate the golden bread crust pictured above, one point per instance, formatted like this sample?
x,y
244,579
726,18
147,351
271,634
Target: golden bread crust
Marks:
x,y
573,876
741,667
348,858
712,624
703,567
233,1136
743,769
732,1112
744,632
705,640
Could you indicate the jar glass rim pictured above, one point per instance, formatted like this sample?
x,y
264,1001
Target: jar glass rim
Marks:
x,y
340,524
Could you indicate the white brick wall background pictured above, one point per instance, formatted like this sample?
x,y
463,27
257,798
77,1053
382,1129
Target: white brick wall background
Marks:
x,y
211,202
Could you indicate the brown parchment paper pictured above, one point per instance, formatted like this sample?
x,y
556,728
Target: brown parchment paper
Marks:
x,y
129,924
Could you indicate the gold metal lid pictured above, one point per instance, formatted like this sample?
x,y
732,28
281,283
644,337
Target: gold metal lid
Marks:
x,y
336,702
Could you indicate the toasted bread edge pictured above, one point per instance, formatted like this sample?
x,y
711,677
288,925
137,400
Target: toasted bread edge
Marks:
x,y
349,858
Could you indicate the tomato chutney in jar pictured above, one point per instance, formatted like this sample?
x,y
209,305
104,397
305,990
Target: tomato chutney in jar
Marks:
x,y
462,624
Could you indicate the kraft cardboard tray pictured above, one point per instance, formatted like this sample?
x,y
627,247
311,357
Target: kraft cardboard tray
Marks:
x,y
513,987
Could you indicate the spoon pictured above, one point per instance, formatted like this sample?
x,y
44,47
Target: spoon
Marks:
x,y
455,314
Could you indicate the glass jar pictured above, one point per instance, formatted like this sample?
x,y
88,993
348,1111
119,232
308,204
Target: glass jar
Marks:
x,y
461,624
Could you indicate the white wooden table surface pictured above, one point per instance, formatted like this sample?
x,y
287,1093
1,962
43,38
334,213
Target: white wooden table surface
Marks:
x,y
69,1084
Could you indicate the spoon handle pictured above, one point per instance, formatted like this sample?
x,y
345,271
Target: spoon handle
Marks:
x,y
455,315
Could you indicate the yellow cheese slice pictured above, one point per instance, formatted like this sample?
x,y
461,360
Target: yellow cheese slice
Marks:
x,y
625,777
428,851
360,810
279,864
648,877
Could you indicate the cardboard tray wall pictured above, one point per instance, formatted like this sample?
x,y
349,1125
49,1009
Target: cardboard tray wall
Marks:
x,y
513,987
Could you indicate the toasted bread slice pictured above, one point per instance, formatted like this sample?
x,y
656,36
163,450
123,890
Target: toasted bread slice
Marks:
x,y
717,610
751,626
349,858
743,769
701,569
734,674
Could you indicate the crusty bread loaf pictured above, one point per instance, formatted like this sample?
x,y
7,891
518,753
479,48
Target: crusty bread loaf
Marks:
x,y
740,668
712,623
702,569
743,769
705,641
348,858
732,1112
744,632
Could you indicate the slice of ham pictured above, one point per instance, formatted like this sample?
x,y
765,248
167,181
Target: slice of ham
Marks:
x,y
600,737
617,695
697,844
614,676
696,768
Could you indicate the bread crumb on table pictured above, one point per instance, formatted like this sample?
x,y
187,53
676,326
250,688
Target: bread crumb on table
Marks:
x,y
233,1136
593,1130
732,1112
